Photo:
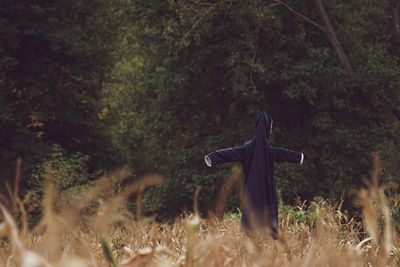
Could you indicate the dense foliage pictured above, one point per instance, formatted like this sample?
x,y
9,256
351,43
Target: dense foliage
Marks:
x,y
202,73
55,58
159,84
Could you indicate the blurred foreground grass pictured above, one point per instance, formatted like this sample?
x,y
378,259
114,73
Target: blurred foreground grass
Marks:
x,y
315,234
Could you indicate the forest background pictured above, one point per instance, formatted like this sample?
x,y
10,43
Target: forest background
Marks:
x,y
90,86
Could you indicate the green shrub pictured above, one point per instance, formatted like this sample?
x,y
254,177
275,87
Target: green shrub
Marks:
x,y
65,171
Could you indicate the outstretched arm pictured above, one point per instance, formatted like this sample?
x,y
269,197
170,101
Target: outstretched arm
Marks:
x,y
224,155
282,154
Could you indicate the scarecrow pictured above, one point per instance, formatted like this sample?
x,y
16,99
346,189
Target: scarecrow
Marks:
x,y
258,156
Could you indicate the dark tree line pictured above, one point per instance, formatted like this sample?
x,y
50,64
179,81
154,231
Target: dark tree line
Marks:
x,y
55,57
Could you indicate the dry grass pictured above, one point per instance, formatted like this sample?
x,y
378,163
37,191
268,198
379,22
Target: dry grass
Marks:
x,y
69,235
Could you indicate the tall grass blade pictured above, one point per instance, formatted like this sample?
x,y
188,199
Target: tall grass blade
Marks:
x,y
107,251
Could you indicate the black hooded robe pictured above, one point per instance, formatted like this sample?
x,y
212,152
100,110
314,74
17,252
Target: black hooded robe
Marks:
x,y
259,207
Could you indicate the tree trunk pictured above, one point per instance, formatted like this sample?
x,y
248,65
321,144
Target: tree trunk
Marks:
x,y
395,8
332,37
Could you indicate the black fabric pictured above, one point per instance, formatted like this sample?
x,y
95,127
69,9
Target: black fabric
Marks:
x,y
260,206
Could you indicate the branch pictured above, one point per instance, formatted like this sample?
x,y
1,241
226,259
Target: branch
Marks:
x,y
195,24
395,6
212,4
332,37
327,29
300,15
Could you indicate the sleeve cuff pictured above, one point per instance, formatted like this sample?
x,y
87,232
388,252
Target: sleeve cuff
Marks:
x,y
208,161
302,158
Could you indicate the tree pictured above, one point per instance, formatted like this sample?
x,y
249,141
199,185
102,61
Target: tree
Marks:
x,y
55,57
201,72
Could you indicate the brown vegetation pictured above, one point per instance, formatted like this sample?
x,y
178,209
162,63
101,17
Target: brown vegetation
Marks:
x,y
69,235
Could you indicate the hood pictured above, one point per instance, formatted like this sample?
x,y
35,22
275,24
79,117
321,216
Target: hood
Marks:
x,y
263,125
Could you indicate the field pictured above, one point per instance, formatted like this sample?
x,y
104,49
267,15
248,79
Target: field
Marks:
x,y
95,229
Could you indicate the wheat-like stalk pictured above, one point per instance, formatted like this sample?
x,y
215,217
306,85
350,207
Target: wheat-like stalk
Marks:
x,y
324,235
